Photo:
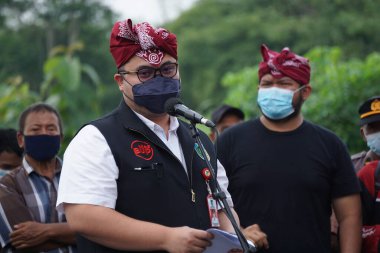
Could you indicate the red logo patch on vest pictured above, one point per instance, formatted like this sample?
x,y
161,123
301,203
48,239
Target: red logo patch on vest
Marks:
x,y
142,149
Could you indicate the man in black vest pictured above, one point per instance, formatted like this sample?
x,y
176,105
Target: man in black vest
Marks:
x,y
132,180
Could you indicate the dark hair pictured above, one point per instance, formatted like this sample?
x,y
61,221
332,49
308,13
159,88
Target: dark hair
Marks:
x,y
8,142
38,107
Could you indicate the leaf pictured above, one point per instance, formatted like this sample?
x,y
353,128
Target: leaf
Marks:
x,y
91,73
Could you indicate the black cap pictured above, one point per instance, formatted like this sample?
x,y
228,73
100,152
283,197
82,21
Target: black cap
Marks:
x,y
218,114
369,111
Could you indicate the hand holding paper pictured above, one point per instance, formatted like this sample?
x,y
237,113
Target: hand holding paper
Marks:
x,y
223,242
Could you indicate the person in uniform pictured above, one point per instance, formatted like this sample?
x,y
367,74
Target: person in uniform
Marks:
x,y
369,174
369,113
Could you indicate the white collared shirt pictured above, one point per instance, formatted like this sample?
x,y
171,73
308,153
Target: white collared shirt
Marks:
x,y
172,141
90,172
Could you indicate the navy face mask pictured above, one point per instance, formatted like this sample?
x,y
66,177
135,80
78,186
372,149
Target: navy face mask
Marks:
x,y
42,147
153,93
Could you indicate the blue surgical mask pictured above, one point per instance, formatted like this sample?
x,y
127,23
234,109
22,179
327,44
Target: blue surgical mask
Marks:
x,y
3,172
42,147
153,93
373,142
276,103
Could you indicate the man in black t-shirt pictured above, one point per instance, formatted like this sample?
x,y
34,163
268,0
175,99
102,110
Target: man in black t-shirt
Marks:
x,y
284,172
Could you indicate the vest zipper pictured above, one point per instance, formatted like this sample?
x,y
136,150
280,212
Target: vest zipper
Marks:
x,y
191,178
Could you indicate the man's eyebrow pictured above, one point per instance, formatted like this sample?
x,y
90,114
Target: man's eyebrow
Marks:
x,y
147,64
285,79
52,125
169,61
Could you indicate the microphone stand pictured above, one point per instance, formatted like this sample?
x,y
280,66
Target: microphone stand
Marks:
x,y
219,195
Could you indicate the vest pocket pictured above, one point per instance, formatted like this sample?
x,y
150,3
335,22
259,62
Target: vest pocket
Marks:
x,y
157,168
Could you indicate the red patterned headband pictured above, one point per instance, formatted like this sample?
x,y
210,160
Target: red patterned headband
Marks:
x,y
285,63
141,40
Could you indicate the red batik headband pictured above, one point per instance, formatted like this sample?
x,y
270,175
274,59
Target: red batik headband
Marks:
x,y
141,40
285,63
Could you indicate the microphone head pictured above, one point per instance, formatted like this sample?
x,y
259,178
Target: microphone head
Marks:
x,y
170,105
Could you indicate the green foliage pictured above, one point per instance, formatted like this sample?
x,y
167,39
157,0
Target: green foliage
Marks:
x,y
33,28
219,36
52,51
242,90
339,87
70,86
15,97
219,43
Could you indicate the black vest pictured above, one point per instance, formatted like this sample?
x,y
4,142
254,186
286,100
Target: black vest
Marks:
x,y
152,184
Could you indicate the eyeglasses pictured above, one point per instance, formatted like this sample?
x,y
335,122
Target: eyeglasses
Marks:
x,y
146,73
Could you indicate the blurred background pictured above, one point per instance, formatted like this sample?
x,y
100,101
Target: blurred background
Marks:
x,y
57,51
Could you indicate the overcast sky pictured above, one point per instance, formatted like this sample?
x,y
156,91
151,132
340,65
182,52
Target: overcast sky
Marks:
x,y
155,12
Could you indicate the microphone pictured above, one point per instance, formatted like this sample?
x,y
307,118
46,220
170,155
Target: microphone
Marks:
x,y
175,107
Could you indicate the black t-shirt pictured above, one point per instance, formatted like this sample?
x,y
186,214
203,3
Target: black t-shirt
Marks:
x,y
284,181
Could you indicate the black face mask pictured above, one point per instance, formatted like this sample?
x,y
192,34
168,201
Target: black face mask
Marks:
x,y
42,147
153,93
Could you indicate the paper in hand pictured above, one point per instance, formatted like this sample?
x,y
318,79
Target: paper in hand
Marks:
x,y
223,242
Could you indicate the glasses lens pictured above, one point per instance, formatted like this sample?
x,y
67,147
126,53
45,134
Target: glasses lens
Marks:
x,y
145,73
168,70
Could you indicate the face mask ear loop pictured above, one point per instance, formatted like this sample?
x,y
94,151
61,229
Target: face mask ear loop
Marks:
x,y
124,91
128,96
297,90
300,88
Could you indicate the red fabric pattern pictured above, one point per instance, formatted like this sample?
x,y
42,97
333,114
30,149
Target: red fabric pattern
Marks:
x,y
371,237
370,234
285,63
142,40
367,176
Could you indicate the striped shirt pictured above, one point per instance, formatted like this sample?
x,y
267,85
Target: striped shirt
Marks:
x,y
27,196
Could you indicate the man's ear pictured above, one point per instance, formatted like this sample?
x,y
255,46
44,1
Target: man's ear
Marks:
x,y
306,91
20,139
363,134
119,80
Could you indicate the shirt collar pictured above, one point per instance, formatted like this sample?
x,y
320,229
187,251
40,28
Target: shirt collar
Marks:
x,y
29,168
174,124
